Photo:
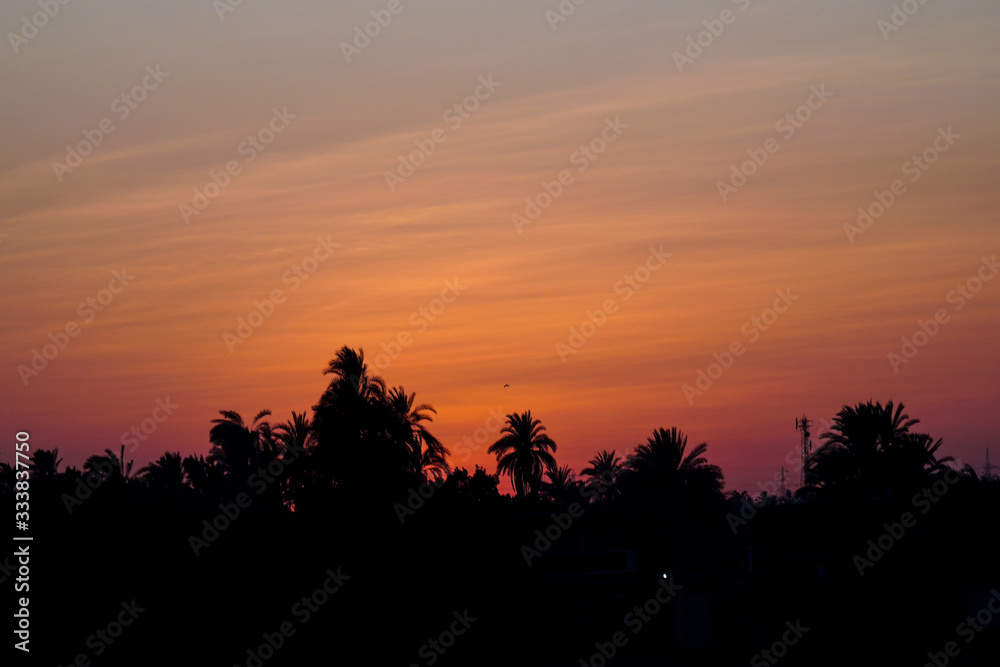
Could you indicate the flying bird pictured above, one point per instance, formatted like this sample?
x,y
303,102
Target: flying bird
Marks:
x,y
505,386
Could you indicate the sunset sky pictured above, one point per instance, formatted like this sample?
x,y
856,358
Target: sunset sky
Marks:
x,y
641,126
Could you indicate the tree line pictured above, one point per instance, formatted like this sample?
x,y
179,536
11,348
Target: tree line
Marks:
x,y
368,440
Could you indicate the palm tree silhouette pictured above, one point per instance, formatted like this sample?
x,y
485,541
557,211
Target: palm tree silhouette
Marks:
x,y
424,453
240,448
870,450
661,468
523,453
45,463
603,473
359,426
296,440
918,452
350,372
166,473
205,477
562,485
348,421
296,433
109,466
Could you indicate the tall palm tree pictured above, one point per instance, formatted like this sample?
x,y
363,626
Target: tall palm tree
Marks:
x,y
296,433
350,371
664,469
602,474
166,473
297,440
349,420
423,452
239,448
45,463
865,429
870,450
523,451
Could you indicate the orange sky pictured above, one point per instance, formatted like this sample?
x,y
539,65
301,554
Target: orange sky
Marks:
x,y
323,176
